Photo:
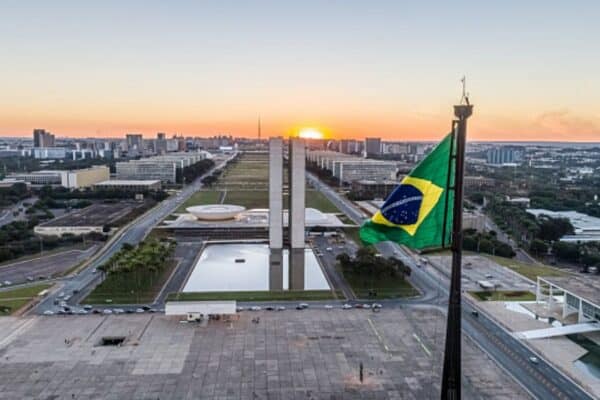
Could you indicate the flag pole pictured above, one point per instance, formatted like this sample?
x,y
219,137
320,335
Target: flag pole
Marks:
x,y
451,375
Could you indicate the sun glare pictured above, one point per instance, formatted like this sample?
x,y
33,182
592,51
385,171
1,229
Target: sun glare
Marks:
x,y
310,133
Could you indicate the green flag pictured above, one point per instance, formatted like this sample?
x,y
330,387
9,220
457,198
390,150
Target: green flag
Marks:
x,y
415,212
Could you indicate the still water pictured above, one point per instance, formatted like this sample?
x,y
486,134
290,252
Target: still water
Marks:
x,y
217,271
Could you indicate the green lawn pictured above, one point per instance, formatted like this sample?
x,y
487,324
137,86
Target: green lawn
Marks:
x,y
255,296
12,300
248,198
531,271
386,287
200,197
503,295
315,199
131,287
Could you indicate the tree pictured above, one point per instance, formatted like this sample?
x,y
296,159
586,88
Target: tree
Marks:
x,y
538,247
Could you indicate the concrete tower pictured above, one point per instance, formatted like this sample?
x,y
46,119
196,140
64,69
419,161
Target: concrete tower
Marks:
x,y
297,204
276,213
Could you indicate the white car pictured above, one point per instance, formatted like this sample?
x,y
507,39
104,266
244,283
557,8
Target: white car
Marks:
x,y
7,283
328,307
346,307
139,310
107,311
281,308
255,308
48,312
239,309
377,305
534,360
366,305
82,312
303,305
118,311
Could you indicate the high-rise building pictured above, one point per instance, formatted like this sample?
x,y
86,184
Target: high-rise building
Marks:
x,y
134,142
504,155
276,213
41,138
297,201
373,146
161,143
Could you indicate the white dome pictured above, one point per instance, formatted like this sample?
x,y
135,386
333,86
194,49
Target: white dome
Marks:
x,y
215,212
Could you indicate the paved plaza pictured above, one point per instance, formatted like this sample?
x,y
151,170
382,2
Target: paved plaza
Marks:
x,y
310,354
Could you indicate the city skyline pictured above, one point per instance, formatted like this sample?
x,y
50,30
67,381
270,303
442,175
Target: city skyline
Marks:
x,y
348,69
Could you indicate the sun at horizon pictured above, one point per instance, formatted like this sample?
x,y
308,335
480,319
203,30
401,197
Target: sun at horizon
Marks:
x,y
310,133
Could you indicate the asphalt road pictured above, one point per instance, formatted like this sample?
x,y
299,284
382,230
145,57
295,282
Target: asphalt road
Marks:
x,y
542,380
81,284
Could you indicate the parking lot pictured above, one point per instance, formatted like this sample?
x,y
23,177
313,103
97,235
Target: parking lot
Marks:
x,y
309,354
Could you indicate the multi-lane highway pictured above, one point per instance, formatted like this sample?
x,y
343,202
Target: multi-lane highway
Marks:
x,y
80,284
540,379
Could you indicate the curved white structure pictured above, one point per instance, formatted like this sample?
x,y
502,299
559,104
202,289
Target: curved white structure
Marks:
x,y
215,212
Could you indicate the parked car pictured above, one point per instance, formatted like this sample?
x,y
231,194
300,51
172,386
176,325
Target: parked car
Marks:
x,y
346,307
255,308
303,305
280,308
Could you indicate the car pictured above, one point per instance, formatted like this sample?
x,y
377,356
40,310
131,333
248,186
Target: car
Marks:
x,y
377,305
87,307
41,277
146,308
255,308
239,309
30,278
61,312
329,249
303,305
7,283
129,311
62,303
489,276
358,305
152,310
75,291
269,308
67,298
48,312
281,308
299,308
61,294
366,305
139,310
95,311
346,307
328,306
107,311
94,271
118,311
475,313
534,360
82,312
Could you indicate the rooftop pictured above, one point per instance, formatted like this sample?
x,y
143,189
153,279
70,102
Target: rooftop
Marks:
x,y
128,182
588,288
97,214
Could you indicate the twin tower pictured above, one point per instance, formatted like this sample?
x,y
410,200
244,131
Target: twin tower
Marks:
x,y
294,200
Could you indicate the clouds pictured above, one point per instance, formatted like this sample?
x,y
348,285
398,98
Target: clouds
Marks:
x,y
568,125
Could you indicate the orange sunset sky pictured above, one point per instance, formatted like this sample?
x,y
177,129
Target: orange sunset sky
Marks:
x,y
349,68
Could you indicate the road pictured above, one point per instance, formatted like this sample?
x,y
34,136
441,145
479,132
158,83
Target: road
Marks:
x,y
7,215
542,380
79,285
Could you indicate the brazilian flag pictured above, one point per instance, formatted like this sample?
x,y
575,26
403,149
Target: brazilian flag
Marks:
x,y
419,210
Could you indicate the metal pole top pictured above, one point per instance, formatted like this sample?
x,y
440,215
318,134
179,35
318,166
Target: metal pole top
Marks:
x,y
463,110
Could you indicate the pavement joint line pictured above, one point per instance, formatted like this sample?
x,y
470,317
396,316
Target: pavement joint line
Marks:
x,y
378,336
425,349
96,328
26,324
145,328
